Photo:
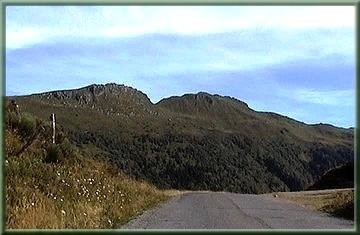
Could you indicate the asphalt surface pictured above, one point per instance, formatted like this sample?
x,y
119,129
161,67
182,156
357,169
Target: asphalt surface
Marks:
x,y
220,210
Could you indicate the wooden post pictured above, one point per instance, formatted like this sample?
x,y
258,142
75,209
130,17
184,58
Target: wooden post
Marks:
x,y
52,118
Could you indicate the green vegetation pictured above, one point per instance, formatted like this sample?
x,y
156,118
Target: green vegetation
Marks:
x,y
194,142
338,202
340,177
56,186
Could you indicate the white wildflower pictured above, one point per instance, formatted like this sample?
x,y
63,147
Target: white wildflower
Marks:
x,y
63,212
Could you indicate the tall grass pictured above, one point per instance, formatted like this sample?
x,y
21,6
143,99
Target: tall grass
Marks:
x,y
337,202
74,192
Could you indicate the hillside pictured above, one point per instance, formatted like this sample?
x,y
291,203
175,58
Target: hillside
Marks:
x,y
196,141
340,177
333,193
57,186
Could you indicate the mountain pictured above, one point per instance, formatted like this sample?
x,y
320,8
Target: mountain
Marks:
x,y
110,98
339,177
195,141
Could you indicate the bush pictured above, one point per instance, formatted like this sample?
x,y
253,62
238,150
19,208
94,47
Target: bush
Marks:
x,y
53,154
13,120
27,125
67,149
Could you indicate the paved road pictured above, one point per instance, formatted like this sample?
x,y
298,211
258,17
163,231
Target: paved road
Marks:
x,y
210,210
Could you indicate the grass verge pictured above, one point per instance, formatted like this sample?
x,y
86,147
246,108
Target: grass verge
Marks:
x,y
62,189
337,202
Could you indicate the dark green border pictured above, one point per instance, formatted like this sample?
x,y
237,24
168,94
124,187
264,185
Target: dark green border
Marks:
x,y
5,3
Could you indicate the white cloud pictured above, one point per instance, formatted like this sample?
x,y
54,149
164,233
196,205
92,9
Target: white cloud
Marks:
x,y
335,107
303,17
23,37
42,23
334,98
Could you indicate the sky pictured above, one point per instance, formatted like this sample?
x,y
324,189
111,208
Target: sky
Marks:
x,y
298,61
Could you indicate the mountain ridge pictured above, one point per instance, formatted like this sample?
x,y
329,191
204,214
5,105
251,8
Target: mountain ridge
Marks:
x,y
195,141
98,89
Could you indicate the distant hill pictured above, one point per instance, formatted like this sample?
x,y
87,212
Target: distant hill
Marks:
x,y
339,177
195,141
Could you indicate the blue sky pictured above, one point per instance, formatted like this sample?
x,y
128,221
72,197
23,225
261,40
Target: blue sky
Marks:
x,y
298,61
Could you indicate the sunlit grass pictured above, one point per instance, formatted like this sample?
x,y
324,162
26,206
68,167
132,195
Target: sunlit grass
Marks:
x,y
75,192
339,202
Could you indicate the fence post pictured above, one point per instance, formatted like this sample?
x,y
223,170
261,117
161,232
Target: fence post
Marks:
x,y
52,118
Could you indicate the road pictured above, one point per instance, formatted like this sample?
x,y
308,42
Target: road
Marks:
x,y
220,210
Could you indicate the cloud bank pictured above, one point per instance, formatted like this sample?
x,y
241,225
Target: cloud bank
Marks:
x,y
292,60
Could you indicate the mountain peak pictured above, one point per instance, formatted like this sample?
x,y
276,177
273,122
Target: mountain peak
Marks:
x,y
91,92
202,102
112,88
110,98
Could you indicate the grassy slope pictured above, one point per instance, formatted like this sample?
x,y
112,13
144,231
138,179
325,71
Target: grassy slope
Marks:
x,y
47,190
338,202
230,115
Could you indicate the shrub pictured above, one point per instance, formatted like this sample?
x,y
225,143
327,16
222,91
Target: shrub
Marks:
x,y
27,125
53,154
13,120
67,149
12,143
